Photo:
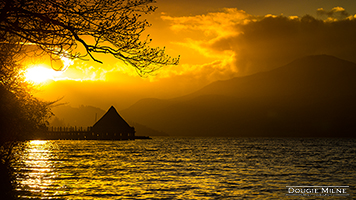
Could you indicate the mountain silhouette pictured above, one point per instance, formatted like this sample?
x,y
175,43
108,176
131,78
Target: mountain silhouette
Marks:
x,y
312,96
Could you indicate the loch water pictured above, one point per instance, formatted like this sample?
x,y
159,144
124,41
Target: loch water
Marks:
x,y
183,168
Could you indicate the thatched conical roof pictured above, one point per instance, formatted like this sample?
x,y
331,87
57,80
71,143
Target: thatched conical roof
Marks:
x,y
112,122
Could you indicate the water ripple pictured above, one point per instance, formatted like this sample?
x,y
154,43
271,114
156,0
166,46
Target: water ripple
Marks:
x,y
182,168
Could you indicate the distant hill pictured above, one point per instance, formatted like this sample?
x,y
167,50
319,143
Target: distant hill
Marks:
x,y
82,116
312,96
142,130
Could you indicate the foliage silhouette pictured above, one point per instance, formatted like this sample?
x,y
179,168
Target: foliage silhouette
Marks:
x,y
21,114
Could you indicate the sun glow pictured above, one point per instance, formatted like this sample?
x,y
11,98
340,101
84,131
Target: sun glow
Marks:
x,y
40,74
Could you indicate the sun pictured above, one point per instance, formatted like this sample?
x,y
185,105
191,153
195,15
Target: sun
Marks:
x,y
40,74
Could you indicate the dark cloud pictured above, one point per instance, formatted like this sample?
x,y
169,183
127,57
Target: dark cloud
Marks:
x,y
275,41
246,44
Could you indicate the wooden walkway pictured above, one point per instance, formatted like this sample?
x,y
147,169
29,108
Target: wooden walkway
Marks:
x,y
81,133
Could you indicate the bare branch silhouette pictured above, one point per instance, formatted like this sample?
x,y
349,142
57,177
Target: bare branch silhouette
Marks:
x,y
58,27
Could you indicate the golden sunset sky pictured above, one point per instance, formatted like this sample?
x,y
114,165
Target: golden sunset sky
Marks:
x,y
216,40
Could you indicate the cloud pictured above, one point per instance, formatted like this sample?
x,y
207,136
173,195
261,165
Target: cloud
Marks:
x,y
334,14
275,41
202,31
241,44
220,24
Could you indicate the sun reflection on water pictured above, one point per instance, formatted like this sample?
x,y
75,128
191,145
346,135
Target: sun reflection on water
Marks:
x,y
37,171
